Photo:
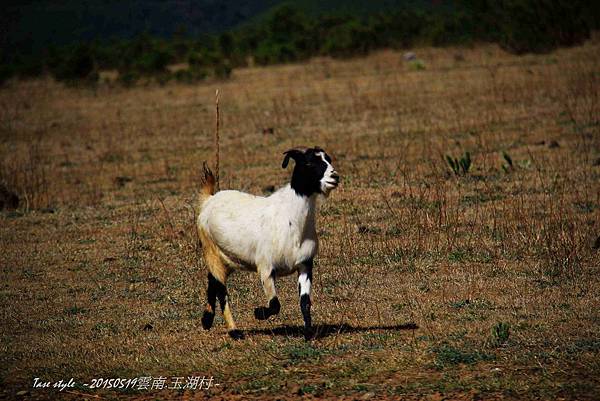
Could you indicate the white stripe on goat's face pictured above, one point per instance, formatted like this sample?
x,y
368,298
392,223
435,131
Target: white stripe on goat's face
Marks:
x,y
313,172
330,179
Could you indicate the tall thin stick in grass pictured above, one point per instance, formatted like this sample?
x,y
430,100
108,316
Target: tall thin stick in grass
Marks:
x,y
217,139
169,220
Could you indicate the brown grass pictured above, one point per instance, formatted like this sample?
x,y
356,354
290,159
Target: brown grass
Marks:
x,y
104,244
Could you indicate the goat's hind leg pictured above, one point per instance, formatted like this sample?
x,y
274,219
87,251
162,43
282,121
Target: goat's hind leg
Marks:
x,y
208,316
268,282
223,301
217,278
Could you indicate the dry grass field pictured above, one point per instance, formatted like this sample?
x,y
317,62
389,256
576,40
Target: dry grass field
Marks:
x,y
428,284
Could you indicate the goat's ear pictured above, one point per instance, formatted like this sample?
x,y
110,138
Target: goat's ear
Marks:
x,y
296,154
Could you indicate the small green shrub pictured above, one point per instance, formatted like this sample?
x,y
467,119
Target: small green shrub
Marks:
x,y
460,166
303,352
500,333
416,65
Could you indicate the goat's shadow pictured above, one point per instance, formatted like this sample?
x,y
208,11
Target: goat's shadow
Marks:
x,y
326,330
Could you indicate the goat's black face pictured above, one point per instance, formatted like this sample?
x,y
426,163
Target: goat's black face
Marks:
x,y
313,172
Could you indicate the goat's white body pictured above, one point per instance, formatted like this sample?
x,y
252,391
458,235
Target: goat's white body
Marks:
x,y
265,233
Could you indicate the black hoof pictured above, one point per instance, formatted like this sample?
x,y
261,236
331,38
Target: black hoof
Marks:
x,y
236,334
309,334
262,313
207,320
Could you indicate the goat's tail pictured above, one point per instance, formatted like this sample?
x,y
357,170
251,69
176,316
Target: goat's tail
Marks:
x,y
207,182
207,186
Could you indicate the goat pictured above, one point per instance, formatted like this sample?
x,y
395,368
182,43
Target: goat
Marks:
x,y
274,236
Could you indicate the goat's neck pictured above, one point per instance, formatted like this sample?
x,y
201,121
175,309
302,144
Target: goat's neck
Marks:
x,y
302,209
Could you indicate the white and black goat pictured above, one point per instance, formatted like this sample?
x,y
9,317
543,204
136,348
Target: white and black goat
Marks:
x,y
274,236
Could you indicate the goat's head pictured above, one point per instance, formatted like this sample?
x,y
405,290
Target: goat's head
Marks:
x,y
313,172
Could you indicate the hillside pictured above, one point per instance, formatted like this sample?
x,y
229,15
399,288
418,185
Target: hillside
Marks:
x,y
41,23
49,22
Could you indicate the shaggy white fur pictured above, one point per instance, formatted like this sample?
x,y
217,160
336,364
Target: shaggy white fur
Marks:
x,y
254,232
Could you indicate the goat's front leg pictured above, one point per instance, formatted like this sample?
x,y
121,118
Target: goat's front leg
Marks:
x,y
268,281
304,283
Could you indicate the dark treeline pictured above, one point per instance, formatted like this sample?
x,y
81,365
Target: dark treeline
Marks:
x,y
286,34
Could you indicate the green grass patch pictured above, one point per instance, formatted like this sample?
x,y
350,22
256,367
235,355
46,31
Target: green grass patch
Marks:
x,y
462,255
302,353
75,310
447,355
